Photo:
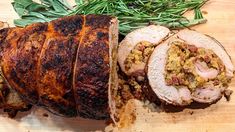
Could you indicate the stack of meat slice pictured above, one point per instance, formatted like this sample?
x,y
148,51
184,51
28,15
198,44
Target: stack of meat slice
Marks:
x,y
179,68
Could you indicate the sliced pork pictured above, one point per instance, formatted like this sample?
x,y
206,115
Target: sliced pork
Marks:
x,y
189,67
137,46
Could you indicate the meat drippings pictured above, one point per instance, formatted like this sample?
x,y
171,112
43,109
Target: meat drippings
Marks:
x,y
191,66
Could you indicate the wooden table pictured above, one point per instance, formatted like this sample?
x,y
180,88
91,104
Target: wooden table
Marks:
x,y
218,117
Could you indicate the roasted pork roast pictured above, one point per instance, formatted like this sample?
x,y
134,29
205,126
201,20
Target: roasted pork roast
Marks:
x,y
65,66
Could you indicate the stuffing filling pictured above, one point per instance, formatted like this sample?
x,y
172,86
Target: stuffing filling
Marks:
x,y
139,54
127,89
131,86
191,66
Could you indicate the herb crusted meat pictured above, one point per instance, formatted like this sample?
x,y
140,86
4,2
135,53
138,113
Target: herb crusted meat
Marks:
x,y
63,65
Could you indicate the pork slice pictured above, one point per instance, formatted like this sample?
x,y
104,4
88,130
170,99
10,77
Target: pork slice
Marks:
x,y
170,94
153,34
20,51
95,66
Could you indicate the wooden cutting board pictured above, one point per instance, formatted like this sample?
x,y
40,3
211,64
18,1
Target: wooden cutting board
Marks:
x,y
218,117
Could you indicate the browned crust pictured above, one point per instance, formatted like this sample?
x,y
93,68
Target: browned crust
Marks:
x,y
3,35
18,68
55,67
55,76
92,68
9,98
62,65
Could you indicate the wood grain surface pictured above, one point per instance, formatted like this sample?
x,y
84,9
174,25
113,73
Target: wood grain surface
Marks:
x,y
219,117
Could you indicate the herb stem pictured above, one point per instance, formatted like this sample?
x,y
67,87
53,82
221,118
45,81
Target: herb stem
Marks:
x,y
132,14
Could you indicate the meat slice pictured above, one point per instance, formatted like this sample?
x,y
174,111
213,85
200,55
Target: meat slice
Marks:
x,y
174,95
155,74
10,100
153,34
55,75
20,53
55,66
92,68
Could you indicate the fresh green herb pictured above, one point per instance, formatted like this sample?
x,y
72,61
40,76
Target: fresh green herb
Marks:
x,y
132,14
198,14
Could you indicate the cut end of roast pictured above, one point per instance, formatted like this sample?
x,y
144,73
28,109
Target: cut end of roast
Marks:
x,y
153,34
182,96
113,77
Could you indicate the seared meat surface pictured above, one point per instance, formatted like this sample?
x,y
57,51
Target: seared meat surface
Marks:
x,y
63,65
92,69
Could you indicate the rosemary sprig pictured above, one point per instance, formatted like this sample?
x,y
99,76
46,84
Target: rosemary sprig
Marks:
x,y
132,14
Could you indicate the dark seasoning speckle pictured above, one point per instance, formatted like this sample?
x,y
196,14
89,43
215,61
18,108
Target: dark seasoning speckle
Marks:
x,y
45,115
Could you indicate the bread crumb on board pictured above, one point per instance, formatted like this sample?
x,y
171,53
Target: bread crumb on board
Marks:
x,y
227,94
